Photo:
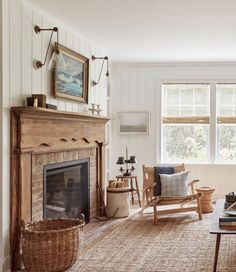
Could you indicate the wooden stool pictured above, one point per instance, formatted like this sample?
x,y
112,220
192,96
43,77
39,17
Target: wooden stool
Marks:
x,y
206,199
132,189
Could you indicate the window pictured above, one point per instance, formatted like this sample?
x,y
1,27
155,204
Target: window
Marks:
x,y
226,123
185,122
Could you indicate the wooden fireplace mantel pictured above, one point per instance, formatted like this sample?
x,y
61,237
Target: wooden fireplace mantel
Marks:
x,y
42,131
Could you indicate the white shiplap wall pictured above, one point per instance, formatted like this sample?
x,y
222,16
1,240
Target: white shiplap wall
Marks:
x,y
138,87
21,46
1,129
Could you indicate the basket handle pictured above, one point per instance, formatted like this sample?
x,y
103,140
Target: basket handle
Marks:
x,y
82,218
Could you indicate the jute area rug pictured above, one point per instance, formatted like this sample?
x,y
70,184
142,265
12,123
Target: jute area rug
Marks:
x,y
177,243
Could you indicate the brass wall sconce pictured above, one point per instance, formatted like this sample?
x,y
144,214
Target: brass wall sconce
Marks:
x,y
103,61
57,58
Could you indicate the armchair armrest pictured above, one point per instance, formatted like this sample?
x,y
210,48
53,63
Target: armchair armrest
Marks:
x,y
192,183
149,187
148,193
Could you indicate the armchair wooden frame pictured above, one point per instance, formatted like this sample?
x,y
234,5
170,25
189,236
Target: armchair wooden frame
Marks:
x,y
150,200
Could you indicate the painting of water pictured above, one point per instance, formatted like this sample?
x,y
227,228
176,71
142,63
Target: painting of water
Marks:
x,y
133,122
71,78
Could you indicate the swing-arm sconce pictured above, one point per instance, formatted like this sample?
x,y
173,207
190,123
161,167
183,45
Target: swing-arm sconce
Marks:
x,y
56,56
103,61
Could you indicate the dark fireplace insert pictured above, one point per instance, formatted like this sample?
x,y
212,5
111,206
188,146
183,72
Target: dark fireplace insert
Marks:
x,y
66,190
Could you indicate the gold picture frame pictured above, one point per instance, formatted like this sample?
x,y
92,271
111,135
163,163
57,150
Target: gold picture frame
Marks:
x,y
72,82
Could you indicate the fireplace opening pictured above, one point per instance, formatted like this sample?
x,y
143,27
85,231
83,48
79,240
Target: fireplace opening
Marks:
x,y
66,190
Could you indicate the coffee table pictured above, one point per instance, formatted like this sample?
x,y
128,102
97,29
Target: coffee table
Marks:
x,y
215,228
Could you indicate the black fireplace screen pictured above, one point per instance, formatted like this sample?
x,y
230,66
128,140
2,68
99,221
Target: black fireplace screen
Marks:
x,y
66,190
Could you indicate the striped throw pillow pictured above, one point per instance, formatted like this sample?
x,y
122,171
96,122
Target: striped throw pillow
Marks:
x,y
175,184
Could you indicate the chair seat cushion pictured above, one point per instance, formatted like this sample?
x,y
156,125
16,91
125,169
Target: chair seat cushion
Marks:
x,y
161,170
175,184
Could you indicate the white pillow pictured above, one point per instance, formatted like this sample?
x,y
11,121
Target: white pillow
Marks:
x,y
175,184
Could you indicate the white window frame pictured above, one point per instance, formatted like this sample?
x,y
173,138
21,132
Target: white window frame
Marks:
x,y
213,117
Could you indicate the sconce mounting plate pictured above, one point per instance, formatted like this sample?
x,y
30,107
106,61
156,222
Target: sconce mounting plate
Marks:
x,y
37,29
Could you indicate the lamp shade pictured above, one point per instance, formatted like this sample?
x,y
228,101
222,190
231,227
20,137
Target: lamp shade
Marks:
x,y
132,159
120,160
56,61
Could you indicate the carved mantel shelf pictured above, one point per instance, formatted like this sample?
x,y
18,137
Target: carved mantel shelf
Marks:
x,y
43,131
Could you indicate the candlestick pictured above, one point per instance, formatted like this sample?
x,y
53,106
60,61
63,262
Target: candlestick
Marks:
x,y
128,170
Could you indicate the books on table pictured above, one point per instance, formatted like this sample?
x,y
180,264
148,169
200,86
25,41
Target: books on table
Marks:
x,y
228,218
227,221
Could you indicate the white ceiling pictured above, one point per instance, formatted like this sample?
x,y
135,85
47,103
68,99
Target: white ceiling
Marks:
x,y
153,30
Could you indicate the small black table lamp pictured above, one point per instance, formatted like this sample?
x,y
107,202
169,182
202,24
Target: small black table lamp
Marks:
x,y
128,170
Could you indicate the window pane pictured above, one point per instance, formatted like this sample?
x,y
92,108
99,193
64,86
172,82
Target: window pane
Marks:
x,y
187,95
227,143
226,96
185,143
201,111
201,98
226,99
186,111
189,99
172,95
172,111
226,111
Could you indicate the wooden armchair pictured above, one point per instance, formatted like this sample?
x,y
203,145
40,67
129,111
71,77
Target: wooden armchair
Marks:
x,y
150,200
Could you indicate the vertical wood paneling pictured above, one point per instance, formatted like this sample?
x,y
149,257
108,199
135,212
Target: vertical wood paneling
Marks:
x,y
46,75
21,46
6,100
138,87
26,50
15,52
36,54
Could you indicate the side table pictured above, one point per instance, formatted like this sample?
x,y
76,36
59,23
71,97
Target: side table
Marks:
x,y
133,190
206,199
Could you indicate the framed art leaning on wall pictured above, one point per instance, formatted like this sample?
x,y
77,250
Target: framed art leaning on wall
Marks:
x,y
133,122
71,79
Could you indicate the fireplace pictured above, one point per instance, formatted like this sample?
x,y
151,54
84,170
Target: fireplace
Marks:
x,y
57,168
66,190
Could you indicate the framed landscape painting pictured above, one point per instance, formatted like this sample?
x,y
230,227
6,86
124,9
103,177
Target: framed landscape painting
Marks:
x,y
133,122
71,81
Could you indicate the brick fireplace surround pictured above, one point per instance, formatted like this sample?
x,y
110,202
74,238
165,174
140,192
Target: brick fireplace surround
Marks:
x,y
41,137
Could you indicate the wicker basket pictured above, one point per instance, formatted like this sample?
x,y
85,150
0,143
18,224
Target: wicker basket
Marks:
x,y
51,245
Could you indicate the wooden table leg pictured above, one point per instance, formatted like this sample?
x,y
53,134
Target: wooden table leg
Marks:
x,y
217,250
132,190
137,188
155,212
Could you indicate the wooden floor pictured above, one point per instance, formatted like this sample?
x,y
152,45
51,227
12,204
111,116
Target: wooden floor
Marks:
x,y
96,229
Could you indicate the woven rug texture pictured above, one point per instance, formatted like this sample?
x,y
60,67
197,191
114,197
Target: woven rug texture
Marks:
x,y
178,243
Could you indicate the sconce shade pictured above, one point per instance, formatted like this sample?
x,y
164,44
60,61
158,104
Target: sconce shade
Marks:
x,y
132,159
120,160
56,61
